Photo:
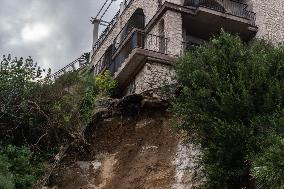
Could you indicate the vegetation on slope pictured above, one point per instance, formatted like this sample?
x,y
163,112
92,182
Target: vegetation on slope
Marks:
x,y
231,104
39,117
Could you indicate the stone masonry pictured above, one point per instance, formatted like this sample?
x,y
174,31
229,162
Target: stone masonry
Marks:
x,y
152,76
269,20
149,7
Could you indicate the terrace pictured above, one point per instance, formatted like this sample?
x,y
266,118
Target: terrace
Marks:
x,y
212,15
131,55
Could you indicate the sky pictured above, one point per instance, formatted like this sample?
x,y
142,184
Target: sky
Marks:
x,y
52,32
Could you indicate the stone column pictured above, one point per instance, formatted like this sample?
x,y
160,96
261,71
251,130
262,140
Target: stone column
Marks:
x,y
173,31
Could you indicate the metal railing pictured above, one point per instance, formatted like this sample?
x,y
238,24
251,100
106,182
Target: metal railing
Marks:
x,y
109,27
103,63
141,40
76,65
138,39
224,6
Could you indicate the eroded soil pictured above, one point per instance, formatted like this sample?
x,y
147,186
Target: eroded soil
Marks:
x,y
126,152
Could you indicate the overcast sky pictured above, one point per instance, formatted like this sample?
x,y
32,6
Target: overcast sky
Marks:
x,y
53,32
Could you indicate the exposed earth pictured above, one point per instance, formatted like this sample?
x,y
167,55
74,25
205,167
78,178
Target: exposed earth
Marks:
x,y
131,146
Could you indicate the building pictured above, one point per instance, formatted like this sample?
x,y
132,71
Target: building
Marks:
x,y
142,42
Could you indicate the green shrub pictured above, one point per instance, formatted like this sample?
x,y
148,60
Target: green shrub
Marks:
x,y
17,170
105,83
268,167
228,87
90,92
42,114
6,178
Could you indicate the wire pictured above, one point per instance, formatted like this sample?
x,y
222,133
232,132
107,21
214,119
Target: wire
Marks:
x,y
101,9
107,8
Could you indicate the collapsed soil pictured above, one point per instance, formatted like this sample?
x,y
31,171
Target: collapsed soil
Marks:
x,y
125,152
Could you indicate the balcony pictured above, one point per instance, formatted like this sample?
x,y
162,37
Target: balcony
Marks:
x,y
130,56
137,20
224,6
212,15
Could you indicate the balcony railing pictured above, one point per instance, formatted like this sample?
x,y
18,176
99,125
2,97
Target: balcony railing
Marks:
x,y
103,63
138,23
76,65
224,6
137,39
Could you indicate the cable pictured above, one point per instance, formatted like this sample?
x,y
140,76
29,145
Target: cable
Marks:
x,y
101,9
106,9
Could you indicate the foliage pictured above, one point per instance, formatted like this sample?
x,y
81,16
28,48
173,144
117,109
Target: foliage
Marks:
x,y
19,83
16,168
105,83
72,98
41,114
268,167
228,90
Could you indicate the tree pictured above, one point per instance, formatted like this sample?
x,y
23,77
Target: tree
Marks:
x,y
40,118
16,168
229,89
20,82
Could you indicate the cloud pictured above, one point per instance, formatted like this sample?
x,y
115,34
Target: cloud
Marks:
x,y
35,32
53,32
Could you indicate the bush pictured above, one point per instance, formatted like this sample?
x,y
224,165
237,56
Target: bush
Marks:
x,y
42,114
105,83
268,167
17,169
228,89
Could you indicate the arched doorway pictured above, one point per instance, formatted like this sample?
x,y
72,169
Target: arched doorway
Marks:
x,y
137,20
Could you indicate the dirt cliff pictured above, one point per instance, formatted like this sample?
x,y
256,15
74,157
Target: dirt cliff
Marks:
x,y
130,146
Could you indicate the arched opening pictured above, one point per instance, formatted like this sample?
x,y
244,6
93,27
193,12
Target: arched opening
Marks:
x,y
137,20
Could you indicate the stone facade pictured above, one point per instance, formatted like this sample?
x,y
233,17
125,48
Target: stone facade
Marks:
x,y
152,76
149,7
173,30
269,20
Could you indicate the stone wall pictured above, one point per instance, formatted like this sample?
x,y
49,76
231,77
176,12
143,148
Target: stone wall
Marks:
x,y
269,19
150,8
152,76
173,33
173,30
